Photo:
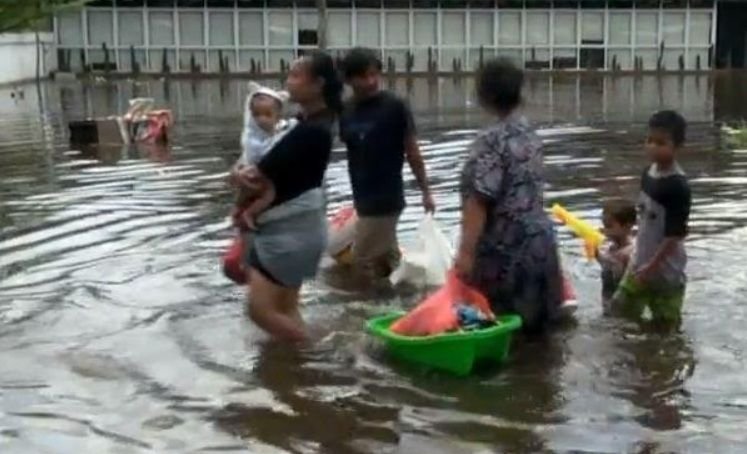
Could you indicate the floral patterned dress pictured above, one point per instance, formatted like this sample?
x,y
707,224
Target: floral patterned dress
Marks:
x,y
516,264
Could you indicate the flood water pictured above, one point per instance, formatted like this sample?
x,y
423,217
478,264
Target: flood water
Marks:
x,y
118,333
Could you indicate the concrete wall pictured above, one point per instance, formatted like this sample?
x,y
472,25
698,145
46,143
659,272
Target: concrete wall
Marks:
x,y
18,56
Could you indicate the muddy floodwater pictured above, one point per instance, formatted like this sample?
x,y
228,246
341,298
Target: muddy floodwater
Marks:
x,y
118,333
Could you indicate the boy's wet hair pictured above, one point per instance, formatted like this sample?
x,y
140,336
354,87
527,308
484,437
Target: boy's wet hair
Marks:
x,y
499,84
671,122
621,211
359,60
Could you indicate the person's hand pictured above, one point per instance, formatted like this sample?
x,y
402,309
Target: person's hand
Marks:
x,y
429,205
233,175
464,264
249,177
644,274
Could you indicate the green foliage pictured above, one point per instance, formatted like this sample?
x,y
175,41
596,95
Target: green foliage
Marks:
x,y
19,15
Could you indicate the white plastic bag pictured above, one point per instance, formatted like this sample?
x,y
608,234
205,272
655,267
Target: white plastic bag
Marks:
x,y
428,260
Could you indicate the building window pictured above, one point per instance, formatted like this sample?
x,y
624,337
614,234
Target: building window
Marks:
x,y
538,28
70,29
647,57
130,28
565,29
646,29
251,29
453,59
619,59
699,59
125,59
425,33
100,28
453,29
280,59
397,29
566,58
538,58
395,60
220,4
281,26
221,29
620,29
420,58
700,29
674,28
396,3
509,29
159,57
191,29
515,56
339,33
251,3
161,28
481,29
189,57
368,32
251,60
592,28
674,3
308,29
479,54
362,3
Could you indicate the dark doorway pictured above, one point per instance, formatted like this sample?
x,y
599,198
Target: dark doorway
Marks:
x,y
731,40
307,38
592,58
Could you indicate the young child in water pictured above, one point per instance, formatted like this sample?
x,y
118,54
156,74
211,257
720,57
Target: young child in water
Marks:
x,y
263,127
656,276
618,218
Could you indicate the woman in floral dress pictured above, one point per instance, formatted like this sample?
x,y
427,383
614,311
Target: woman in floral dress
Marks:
x,y
508,248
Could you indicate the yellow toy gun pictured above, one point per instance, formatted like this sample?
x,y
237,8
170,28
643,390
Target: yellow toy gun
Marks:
x,y
592,237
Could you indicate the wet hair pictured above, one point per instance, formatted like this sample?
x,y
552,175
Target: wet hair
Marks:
x,y
672,123
358,61
621,211
499,84
321,65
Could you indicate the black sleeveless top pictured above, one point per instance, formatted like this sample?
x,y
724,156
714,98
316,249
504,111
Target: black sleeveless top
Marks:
x,y
298,161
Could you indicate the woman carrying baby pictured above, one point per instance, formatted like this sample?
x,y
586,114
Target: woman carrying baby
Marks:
x,y
291,228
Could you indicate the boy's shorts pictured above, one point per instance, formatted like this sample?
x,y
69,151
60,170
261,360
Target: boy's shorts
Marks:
x,y
665,303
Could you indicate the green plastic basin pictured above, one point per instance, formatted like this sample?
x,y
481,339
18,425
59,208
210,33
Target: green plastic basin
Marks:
x,y
455,352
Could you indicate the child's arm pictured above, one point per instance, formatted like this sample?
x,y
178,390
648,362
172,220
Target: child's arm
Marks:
x,y
665,250
265,199
262,200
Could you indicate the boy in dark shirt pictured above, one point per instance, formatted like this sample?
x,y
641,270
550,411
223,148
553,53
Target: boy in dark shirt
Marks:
x,y
379,132
656,278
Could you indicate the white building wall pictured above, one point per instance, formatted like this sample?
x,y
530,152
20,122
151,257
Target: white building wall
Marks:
x,y
550,38
18,56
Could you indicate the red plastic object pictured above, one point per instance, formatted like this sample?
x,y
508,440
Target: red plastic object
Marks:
x,y
437,314
232,261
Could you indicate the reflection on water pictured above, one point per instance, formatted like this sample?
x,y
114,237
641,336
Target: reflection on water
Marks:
x,y
118,333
